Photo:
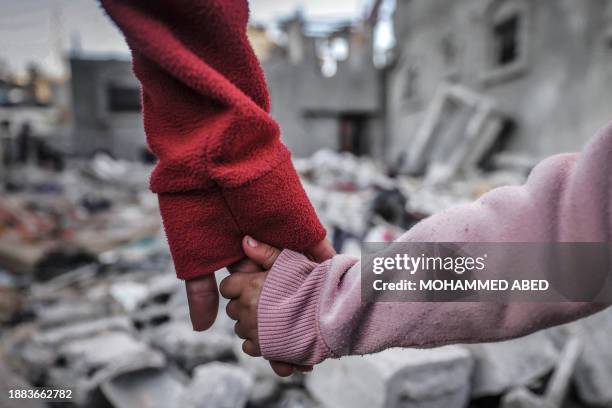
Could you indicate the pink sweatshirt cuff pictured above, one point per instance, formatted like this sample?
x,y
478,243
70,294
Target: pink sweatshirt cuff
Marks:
x,y
288,322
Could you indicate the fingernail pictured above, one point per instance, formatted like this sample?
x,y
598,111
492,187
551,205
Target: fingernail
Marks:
x,y
252,243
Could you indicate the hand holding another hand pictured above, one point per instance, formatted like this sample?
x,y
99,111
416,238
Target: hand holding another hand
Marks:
x,y
243,287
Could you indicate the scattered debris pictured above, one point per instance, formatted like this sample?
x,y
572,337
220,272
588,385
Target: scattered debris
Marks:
x,y
152,388
509,364
9,380
593,375
89,300
459,127
395,378
558,385
189,348
217,385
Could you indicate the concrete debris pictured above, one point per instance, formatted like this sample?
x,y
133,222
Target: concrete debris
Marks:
x,y
189,348
295,398
89,300
53,338
341,171
86,363
10,303
218,385
509,364
129,294
152,388
9,380
459,127
264,392
128,174
56,221
62,313
557,387
267,385
395,378
593,374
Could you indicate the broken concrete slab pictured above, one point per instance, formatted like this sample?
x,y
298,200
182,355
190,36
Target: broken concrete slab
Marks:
x,y
509,364
594,368
69,311
27,357
190,348
54,337
395,378
129,294
557,387
151,388
295,398
151,317
218,385
85,363
458,128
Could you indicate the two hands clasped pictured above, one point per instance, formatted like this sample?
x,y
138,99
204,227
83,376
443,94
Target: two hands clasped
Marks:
x,y
243,288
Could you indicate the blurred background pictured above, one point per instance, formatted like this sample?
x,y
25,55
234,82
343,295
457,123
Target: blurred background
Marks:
x,y
393,109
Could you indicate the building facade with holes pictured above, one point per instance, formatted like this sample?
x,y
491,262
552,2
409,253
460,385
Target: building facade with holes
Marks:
x,y
545,64
106,108
326,99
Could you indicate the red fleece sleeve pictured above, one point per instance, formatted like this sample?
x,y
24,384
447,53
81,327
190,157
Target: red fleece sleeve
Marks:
x,y
222,170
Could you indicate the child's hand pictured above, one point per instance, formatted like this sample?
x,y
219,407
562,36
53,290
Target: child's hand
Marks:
x,y
243,288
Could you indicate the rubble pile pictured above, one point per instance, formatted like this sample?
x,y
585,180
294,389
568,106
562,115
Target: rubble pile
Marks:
x,y
49,220
357,200
112,324
123,338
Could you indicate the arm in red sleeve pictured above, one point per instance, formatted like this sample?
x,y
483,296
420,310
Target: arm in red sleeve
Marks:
x,y
222,170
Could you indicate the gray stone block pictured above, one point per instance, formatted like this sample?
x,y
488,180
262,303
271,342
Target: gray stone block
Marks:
x,y
395,378
509,364
593,377
190,348
218,385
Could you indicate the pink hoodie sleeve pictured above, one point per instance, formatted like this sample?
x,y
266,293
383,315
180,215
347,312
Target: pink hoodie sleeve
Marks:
x,y
309,312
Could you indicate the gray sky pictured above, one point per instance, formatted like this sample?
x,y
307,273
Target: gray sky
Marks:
x,y
34,30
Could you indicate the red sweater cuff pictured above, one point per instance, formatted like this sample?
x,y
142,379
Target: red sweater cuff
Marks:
x,y
201,233
274,209
205,228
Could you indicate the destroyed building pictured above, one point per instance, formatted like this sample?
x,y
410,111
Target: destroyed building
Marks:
x,y
106,108
324,88
543,67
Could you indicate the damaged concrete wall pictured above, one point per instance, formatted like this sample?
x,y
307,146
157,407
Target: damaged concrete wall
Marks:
x,y
106,108
553,82
311,107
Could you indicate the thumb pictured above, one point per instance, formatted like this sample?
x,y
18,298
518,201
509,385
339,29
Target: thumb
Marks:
x,y
203,300
262,254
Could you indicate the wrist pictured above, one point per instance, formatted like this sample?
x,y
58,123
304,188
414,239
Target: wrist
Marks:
x,y
288,311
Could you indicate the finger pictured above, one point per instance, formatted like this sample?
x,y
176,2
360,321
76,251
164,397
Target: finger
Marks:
x,y
282,369
321,251
203,301
261,253
251,348
240,331
304,369
232,286
233,309
245,265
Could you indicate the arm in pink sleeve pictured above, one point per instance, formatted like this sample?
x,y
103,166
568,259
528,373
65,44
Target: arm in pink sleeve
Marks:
x,y
309,312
